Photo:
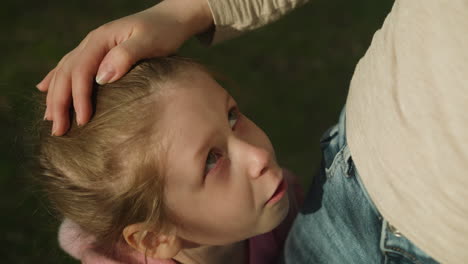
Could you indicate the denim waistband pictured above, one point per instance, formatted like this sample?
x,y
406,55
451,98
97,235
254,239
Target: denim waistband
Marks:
x,y
343,159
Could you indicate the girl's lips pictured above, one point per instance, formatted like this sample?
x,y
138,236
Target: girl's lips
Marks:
x,y
279,193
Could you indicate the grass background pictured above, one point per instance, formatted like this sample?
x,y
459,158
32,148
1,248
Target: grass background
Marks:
x,y
293,77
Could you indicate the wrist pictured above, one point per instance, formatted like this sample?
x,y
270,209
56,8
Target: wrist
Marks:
x,y
193,15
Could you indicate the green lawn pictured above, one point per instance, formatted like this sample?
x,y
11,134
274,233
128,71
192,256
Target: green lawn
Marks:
x,y
292,80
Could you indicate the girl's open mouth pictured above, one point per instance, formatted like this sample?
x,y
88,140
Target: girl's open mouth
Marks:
x,y
279,193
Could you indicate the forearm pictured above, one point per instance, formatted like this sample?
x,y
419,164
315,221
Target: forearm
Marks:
x,y
194,15
231,18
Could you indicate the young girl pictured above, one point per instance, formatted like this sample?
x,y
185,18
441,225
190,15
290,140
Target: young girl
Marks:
x,y
397,192
168,171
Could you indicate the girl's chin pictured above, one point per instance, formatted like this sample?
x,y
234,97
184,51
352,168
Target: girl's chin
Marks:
x,y
275,218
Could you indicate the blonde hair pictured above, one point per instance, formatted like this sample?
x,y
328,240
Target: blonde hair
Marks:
x,y
109,173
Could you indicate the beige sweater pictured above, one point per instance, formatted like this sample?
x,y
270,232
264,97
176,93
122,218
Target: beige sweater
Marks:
x,y
407,115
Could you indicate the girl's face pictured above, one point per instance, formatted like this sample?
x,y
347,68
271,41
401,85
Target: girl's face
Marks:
x,y
221,168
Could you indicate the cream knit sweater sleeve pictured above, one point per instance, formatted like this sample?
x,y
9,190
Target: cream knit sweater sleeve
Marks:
x,y
234,17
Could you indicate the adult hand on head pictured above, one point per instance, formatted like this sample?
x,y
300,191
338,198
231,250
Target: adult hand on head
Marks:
x,y
109,51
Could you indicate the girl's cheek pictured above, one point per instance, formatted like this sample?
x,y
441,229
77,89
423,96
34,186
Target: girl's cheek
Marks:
x,y
225,170
221,172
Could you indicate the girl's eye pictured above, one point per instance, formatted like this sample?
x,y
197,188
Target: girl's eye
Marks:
x,y
213,156
211,161
233,116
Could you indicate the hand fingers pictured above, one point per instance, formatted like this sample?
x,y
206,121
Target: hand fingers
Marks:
x,y
48,113
72,78
60,103
81,94
50,85
43,86
85,67
77,68
119,59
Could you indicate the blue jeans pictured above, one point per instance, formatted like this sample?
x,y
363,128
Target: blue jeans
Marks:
x,y
339,223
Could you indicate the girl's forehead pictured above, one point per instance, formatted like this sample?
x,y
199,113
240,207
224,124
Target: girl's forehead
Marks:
x,y
195,112
193,103
194,86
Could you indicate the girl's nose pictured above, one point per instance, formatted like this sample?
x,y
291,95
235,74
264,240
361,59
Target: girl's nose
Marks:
x,y
256,159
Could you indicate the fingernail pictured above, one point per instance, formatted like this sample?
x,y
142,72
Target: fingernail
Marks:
x,y
77,115
79,122
45,114
54,129
104,77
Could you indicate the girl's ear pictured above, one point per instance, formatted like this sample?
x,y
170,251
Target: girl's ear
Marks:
x,y
152,244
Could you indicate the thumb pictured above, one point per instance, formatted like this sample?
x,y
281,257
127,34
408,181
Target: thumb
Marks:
x,y
119,59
